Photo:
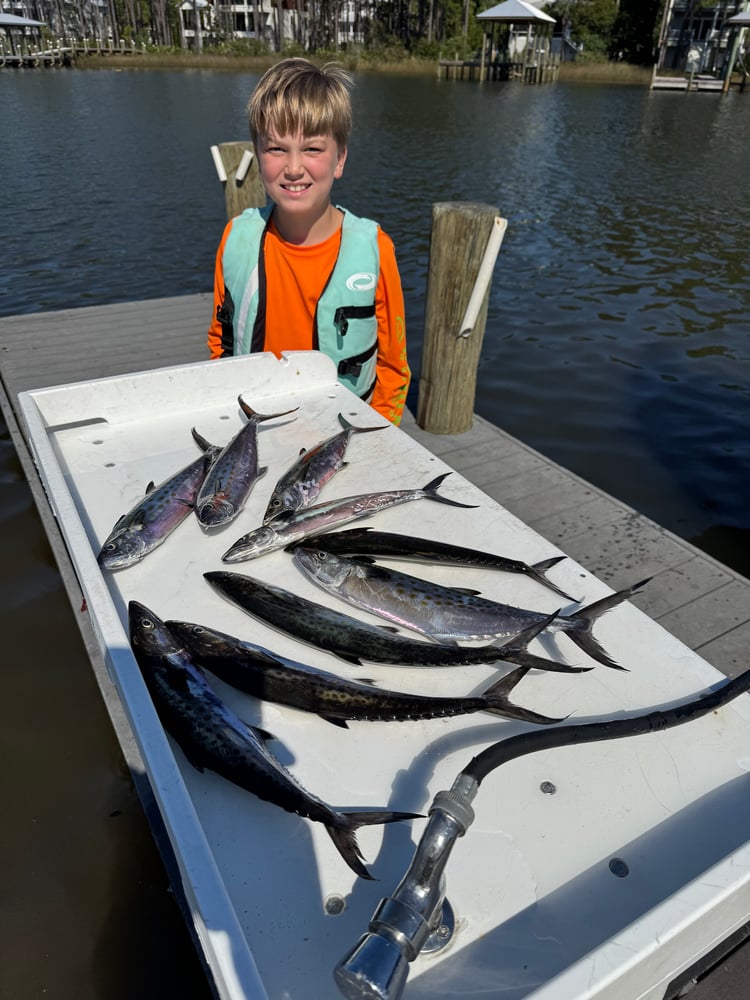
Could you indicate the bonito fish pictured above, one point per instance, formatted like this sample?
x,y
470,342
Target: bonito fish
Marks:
x,y
263,674
355,641
284,529
212,736
157,514
446,614
234,473
386,544
302,482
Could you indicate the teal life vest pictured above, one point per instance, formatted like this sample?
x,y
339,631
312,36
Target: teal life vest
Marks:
x,y
345,326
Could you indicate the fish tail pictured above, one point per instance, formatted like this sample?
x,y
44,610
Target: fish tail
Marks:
x,y
497,700
260,417
582,634
344,834
358,430
431,493
537,571
515,651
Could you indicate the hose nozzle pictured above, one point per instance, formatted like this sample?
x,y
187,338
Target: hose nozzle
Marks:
x,y
402,925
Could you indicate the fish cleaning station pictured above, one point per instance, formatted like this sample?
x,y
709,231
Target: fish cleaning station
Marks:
x,y
601,854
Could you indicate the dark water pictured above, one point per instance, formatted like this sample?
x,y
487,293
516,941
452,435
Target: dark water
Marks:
x,y
617,343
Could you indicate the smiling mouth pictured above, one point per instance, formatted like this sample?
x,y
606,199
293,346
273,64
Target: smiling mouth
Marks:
x,y
295,188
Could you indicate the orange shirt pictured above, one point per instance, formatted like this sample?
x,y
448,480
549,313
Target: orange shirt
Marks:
x,y
295,278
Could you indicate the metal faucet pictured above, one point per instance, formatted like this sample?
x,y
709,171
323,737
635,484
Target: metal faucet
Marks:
x,y
417,917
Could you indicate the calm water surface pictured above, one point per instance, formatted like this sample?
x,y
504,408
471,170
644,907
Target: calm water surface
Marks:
x,y
617,343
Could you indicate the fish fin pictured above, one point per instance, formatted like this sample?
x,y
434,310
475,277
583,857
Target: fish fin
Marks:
x,y
582,634
263,734
431,493
514,650
202,443
261,472
344,834
348,658
334,721
259,417
538,570
499,703
187,503
149,488
302,451
363,560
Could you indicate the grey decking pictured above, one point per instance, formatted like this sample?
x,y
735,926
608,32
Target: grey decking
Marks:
x,y
703,603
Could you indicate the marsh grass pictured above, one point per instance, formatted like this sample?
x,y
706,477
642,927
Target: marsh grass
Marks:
x,y
234,62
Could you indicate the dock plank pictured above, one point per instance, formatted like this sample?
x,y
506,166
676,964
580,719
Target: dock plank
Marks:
x,y
700,601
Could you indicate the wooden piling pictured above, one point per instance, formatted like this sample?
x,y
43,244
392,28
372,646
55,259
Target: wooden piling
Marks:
x,y
248,192
460,235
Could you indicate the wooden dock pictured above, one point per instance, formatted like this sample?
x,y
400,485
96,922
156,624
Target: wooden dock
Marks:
x,y
702,602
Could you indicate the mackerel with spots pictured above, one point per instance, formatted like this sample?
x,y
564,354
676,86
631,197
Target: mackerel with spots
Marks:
x,y
263,674
234,473
285,529
366,542
356,641
302,483
213,737
156,515
447,614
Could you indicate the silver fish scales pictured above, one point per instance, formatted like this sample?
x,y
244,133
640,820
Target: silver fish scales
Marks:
x,y
234,473
149,522
446,614
302,483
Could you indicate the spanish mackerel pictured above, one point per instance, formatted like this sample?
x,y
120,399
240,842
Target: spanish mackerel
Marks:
x,y
355,641
287,528
446,614
157,513
234,473
386,544
212,736
302,482
263,674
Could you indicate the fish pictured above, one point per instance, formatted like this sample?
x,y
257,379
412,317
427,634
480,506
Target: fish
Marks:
x,y
284,529
257,671
302,483
212,736
446,614
234,473
355,641
162,508
365,542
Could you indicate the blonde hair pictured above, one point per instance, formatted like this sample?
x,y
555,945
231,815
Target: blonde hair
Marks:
x,y
297,96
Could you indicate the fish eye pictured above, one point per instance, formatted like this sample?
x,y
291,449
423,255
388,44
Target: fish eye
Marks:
x,y
110,547
147,623
198,630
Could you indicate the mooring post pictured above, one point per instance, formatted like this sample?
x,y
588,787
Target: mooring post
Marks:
x,y
237,169
464,244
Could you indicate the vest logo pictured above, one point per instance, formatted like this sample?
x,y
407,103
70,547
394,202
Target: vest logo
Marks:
x,y
361,282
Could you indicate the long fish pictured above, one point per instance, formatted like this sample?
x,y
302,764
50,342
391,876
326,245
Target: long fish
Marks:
x,y
212,736
234,473
387,544
283,530
303,481
259,672
356,641
446,614
157,513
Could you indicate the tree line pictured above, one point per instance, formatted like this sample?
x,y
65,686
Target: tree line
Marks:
x,y
384,29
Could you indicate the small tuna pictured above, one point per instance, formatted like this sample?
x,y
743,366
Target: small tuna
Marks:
x,y
157,514
212,736
301,484
234,473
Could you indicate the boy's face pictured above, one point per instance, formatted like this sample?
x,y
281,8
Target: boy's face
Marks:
x,y
298,171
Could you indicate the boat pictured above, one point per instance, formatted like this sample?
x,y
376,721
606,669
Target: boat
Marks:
x,y
592,871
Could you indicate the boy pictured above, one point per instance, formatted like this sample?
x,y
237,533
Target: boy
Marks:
x,y
302,273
